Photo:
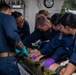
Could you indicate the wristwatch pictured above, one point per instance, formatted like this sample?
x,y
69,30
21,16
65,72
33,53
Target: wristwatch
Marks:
x,y
48,3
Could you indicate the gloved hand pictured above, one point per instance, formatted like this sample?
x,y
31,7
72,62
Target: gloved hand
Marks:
x,y
33,57
39,43
17,51
24,51
48,63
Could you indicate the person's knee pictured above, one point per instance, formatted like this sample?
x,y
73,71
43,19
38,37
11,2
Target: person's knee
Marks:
x,y
62,71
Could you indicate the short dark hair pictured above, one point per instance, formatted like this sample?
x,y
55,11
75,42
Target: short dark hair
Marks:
x,y
16,14
4,6
55,18
68,19
40,21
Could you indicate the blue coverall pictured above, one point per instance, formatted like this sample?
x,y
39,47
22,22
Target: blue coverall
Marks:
x,y
24,31
8,38
37,34
60,47
73,54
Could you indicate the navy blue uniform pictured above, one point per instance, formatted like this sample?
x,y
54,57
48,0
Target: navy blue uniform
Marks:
x,y
8,38
37,34
61,47
24,31
73,54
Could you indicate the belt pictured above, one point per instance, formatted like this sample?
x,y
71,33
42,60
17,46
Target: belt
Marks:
x,y
6,54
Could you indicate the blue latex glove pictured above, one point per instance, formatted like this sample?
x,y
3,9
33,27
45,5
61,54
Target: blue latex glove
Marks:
x,y
24,51
33,57
17,51
48,63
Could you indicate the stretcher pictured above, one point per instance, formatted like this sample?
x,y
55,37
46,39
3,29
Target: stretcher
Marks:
x,y
36,67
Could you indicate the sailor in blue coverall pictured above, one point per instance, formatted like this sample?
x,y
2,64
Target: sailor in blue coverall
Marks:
x,y
22,25
8,37
68,27
68,22
24,31
9,40
38,34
